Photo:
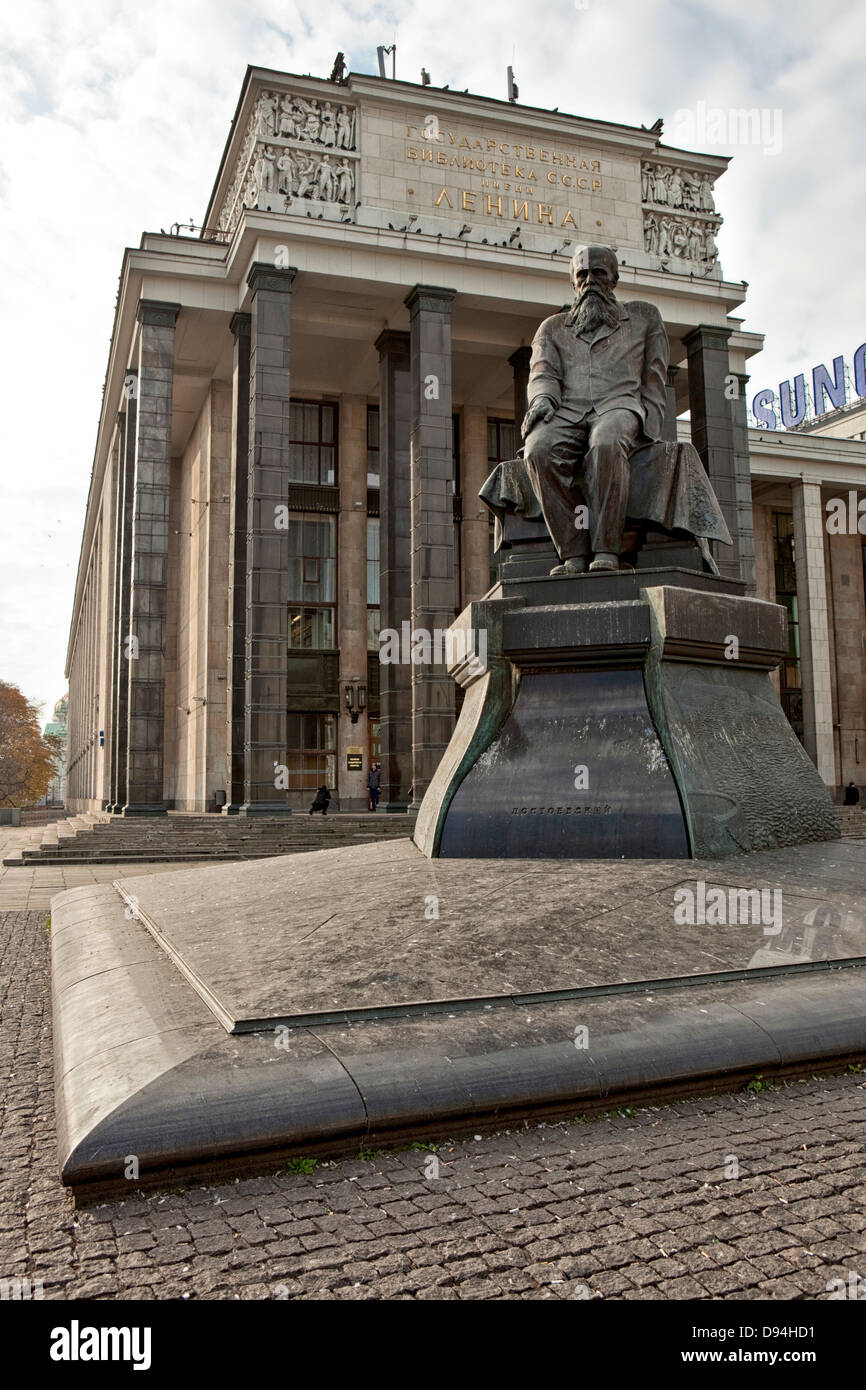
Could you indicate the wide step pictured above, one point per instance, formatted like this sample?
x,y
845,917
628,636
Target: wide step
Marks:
x,y
95,839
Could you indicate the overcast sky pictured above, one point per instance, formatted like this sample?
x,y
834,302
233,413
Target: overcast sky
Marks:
x,y
113,117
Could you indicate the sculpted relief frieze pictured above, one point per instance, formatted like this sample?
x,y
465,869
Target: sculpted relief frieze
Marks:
x,y
311,121
294,147
301,153
679,214
671,186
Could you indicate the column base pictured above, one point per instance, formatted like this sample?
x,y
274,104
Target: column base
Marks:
x,y
264,808
232,809
392,808
139,809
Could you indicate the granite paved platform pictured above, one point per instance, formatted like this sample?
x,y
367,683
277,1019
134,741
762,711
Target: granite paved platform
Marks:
x,y
302,1004
373,928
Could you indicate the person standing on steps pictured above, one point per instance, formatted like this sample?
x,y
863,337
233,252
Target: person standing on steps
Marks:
x,y
373,782
321,802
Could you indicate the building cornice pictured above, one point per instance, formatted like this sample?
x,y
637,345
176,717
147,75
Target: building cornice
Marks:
x,y
784,456
611,137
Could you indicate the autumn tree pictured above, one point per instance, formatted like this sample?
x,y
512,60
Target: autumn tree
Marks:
x,y
28,760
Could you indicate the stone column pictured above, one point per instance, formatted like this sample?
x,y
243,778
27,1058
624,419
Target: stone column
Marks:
x,y
180,621
713,436
846,579
814,638
107,623
115,644
431,474
126,493
352,604
475,526
743,485
145,742
765,576
215,559
395,679
669,428
266,618
240,327
519,362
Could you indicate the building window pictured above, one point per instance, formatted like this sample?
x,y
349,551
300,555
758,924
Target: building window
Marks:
x,y
785,570
312,755
373,608
312,443
312,581
373,447
503,441
374,742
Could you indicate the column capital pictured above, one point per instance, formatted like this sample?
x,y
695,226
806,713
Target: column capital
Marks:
x,y
707,335
520,357
241,325
263,276
157,313
432,298
672,373
393,341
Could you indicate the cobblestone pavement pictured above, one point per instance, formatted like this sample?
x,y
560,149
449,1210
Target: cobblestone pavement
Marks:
x,y
634,1205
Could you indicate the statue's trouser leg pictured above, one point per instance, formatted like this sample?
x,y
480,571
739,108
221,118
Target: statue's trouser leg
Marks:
x,y
606,477
550,454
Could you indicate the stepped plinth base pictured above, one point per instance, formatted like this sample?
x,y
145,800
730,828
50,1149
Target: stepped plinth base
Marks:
x,y
308,1005
619,715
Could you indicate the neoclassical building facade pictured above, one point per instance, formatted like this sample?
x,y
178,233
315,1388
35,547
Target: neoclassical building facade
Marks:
x,y
304,396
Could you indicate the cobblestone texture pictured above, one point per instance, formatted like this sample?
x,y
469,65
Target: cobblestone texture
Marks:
x,y
633,1206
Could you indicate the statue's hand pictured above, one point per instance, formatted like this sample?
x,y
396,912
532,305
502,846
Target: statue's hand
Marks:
x,y
542,409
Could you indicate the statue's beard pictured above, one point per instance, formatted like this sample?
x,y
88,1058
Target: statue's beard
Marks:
x,y
594,309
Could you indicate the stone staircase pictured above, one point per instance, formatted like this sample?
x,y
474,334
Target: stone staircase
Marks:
x,y
97,838
852,821
103,839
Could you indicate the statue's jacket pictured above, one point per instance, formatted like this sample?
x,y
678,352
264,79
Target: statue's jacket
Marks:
x,y
619,367
623,366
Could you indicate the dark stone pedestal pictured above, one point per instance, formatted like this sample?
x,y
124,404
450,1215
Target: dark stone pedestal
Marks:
x,y
624,715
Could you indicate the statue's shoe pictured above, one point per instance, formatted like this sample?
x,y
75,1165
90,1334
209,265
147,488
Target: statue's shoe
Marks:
x,y
570,567
604,561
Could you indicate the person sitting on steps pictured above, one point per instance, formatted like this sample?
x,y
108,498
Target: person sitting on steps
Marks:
x,y
322,799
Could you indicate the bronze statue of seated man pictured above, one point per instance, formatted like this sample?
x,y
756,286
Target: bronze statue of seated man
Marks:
x,y
596,400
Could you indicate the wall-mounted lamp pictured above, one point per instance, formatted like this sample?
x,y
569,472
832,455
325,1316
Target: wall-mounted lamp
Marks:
x,y
356,699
